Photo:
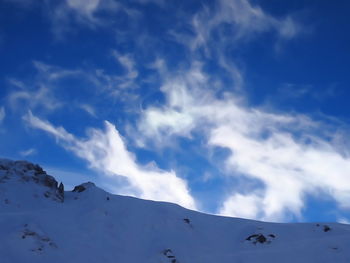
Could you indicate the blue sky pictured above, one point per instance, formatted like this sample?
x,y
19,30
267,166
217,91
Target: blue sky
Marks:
x,y
231,107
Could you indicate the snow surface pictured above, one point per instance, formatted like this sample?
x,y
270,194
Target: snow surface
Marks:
x,y
91,225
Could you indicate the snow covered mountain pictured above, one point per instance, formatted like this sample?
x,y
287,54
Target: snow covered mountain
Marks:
x,y
40,222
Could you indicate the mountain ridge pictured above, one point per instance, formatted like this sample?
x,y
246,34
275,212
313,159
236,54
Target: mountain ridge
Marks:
x,y
40,222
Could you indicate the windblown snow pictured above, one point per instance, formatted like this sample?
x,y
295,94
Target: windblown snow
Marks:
x,y
40,222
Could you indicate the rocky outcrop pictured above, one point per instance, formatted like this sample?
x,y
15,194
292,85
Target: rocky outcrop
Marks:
x,y
38,240
168,253
82,187
325,228
260,238
28,172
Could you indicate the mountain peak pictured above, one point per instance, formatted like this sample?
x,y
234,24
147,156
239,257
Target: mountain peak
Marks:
x,y
23,172
82,187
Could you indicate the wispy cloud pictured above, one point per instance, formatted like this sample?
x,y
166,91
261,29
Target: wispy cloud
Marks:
x,y
128,79
128,63
105,150
70,15
28,152
219,28
287,155
2,114
290,155
71,12
46,90
290,91
40,97
86,8
343,221
37,93
89,109
227,22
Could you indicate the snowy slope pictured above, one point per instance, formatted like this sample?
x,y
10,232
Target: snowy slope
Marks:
x,y
39,223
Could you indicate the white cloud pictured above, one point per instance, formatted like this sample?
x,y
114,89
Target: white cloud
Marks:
x,y
67,15
58,132
106,152
89,109
244,21
291,155
2,114
40,97
245,206
84,7
158,2
47,91
343,221
28,152
39,93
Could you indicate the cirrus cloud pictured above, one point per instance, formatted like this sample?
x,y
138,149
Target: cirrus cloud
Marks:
x,y
105,151
2,114
291,155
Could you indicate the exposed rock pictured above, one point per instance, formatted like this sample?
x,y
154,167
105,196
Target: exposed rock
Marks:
x,y
186,220
60,192
82,187
260,238
326,228
169,254
79,189
61,189
40,239
26,172
251,236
